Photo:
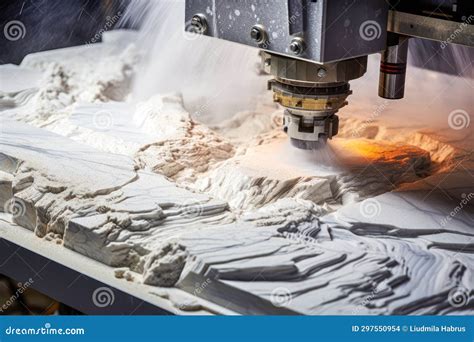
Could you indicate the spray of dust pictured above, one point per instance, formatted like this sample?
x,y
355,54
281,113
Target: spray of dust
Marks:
x,y
439,84
321,162
216,78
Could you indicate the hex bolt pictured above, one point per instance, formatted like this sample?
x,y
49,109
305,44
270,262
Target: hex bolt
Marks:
x,y
322,72
199,23
258,34
297,46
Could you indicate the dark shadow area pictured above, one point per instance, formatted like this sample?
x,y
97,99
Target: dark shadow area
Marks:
x,y
38,25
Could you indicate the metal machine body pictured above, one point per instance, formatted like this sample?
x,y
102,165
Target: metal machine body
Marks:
x,y
314,48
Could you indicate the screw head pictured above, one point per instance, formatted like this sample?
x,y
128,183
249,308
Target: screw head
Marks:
x,y
294,47
322,72
196,20
258,34
255,34
199,23
297,46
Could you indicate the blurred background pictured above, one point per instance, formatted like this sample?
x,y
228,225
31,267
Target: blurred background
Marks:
x,y
50,24
21,299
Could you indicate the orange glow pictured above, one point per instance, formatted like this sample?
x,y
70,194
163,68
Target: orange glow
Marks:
x,y
379,151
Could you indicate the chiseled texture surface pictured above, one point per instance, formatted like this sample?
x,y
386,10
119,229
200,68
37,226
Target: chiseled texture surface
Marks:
x,y
229,213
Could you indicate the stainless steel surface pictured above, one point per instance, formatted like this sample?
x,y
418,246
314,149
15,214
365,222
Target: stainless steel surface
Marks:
x,y
331,30
288,68
445,31
393,70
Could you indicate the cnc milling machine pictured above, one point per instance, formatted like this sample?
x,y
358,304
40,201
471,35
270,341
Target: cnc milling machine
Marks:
x,y
313,48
